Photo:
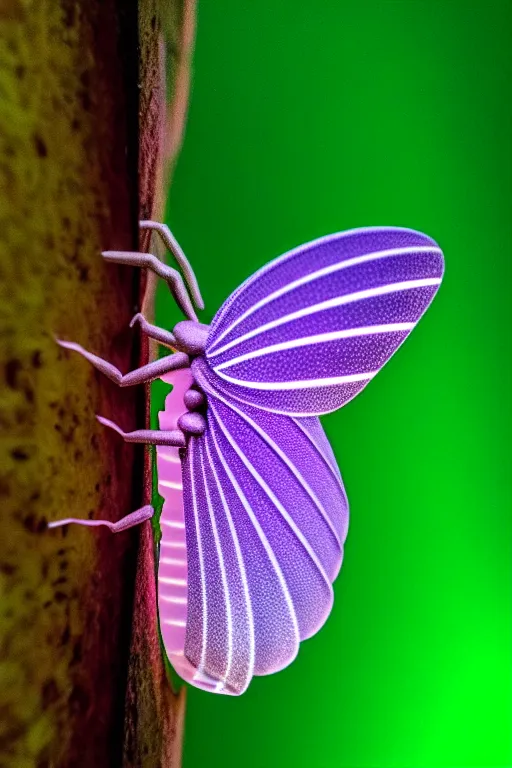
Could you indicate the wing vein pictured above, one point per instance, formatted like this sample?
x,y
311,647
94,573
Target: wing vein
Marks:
x,y
287,462
259,531
240,560
318,338
320,452
278,386
224,580
319,274
200,668
337,301
277,504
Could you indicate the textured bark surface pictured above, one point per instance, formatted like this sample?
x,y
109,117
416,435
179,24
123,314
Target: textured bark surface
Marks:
x,y
68,189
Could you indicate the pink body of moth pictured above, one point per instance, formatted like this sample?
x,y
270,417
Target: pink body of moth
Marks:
x,y
172,563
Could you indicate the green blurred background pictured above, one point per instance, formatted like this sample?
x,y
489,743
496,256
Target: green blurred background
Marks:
x,y
308,118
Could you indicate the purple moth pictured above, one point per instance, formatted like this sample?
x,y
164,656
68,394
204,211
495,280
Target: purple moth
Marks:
x,y
255,514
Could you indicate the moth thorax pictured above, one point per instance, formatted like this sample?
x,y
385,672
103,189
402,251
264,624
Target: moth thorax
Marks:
x,y
191,337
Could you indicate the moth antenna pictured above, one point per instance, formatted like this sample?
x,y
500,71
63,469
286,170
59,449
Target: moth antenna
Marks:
x,y
174,247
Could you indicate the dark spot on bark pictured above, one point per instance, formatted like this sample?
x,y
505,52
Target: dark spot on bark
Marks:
x,y
49,693
60,580
34,525
79,700
75,125
85,78
77,653
36,359
63,565
45,567
19,454
47,603
69,13
97,487
7,568
60,597
35,496
53,404
12,368
64,640
12,733
68,434
28,594
153,23
95,442
61,412
30,522
41,148
85,100
79,455
108,480
83,274
21,415
20,71
29,394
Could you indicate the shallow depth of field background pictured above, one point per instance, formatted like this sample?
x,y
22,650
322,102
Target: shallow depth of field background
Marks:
x,y
309,118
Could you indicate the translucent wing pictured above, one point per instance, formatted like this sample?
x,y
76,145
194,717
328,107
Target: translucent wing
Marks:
x,y
308,331
266,516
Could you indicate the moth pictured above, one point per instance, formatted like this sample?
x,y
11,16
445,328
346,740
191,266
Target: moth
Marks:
x,y
255,513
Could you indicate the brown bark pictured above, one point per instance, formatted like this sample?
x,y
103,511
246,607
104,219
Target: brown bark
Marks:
x,y
69,105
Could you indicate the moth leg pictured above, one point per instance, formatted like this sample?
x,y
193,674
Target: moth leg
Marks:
x,y
173,437
174,247
128,521
153,331
140,375
170,275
